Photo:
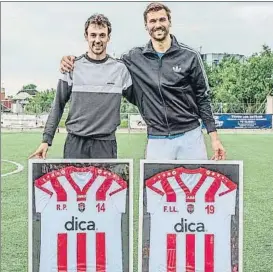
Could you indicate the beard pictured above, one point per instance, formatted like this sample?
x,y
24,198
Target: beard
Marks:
x,y
97,49
161,36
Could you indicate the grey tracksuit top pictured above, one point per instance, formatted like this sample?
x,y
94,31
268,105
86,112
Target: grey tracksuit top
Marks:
x,y
95,88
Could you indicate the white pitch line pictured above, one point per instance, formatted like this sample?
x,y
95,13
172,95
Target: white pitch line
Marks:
x,y
20,168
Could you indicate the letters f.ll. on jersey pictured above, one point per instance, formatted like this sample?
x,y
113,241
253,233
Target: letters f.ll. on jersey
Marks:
x,y
81,212
190,220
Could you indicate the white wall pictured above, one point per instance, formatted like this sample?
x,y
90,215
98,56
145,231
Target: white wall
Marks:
x,y
22,120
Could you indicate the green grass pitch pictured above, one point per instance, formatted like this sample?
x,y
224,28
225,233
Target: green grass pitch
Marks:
x,y
255,150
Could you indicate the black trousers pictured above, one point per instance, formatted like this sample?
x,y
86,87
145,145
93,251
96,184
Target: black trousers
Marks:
x,y
77,147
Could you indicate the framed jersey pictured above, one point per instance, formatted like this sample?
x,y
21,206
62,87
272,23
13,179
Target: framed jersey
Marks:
x,y
190,216
80,215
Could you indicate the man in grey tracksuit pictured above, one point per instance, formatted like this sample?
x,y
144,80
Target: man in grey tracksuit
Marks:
x,y
171,91
94,88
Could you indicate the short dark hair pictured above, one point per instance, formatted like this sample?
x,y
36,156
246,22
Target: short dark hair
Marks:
x,y
98,19
155,6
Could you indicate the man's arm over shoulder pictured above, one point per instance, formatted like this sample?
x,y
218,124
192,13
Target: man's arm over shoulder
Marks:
x,y
201,89
128,57
63,93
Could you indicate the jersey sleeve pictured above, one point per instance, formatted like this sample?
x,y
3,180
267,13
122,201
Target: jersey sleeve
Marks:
x,y
199,81
43,192
154,194
127,80
227,195
118,193
62,96
127,88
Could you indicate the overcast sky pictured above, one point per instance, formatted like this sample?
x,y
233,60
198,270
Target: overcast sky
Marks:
x,y
34,36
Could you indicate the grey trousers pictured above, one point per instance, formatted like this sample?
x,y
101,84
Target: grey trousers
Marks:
x,y
77,147
190,146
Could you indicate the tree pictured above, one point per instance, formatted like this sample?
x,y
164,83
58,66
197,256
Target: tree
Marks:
x,y
31,89
41,102
240,86
259,74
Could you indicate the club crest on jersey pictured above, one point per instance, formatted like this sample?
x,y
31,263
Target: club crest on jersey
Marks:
x,y
190,208
81,207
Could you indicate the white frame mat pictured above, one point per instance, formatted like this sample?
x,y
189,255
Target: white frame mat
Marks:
x,y
30,196
191,162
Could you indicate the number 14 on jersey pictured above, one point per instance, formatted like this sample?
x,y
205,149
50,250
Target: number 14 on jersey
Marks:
x,y
100,207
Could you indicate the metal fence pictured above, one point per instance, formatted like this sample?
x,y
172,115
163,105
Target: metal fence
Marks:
x,y
239,107
24,120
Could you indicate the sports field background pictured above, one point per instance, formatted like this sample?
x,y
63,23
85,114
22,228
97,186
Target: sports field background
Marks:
x,y
256,150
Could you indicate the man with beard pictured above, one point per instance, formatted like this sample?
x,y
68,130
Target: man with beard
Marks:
x,y
171,91
94,89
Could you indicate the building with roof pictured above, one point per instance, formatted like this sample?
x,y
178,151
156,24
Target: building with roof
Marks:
x,y
19,101
215,58
6,103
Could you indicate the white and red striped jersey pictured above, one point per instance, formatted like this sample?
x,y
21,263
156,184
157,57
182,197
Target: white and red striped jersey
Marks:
x,y
81,211
190,222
